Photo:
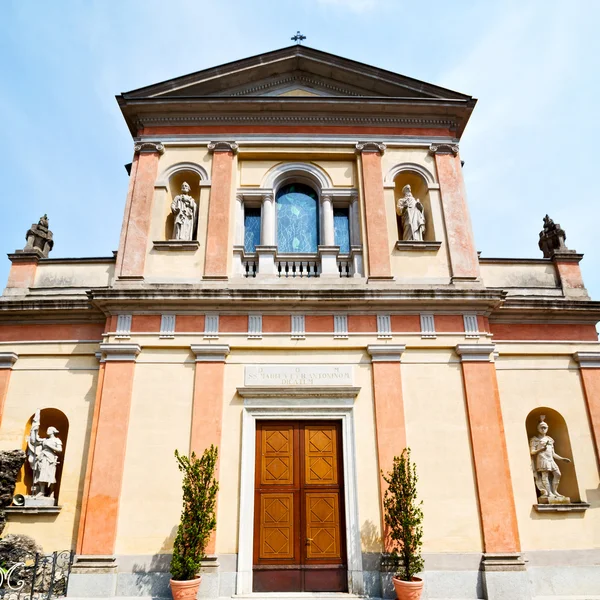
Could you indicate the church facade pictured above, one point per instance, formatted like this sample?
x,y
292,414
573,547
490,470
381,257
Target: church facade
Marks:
x,y
297,283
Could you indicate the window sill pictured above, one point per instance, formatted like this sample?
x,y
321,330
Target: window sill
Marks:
x,y
416,245
572,507
32,510
168,245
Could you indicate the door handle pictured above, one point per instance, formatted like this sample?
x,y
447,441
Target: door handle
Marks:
x,y
308,541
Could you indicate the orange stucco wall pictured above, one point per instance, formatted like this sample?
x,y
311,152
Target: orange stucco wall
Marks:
x,y
405,323
131,257
106,474
217,236
570,274
492,473
591,385
362,323
233,323
276,324
4,381
461,244
44,332
544,331
22,274
318,323
376,223
189,323
145,323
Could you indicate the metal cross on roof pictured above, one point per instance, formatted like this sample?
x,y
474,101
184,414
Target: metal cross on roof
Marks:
x,y
298,37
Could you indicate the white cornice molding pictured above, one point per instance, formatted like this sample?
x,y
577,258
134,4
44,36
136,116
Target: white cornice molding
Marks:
x,y
121,352
148,147
587,360
223,146
386,352
475,352
378,147
8,359
210,352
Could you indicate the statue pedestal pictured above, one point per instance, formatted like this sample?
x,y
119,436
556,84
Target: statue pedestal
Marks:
x,y
554,500
39,501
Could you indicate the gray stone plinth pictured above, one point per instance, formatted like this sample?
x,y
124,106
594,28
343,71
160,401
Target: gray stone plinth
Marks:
x,y
92,585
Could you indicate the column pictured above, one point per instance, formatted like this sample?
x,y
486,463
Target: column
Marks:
x,y
589,367
328,251
327,208
503,567
354,221
7,362
464,263
207,406
375,218
219,208
390,425
267,250
133,243
239,220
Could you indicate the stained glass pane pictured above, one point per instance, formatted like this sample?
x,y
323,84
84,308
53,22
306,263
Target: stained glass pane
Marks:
x,y
297,219
341,229
251,229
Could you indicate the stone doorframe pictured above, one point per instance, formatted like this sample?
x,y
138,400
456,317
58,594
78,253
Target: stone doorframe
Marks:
x,y
331,403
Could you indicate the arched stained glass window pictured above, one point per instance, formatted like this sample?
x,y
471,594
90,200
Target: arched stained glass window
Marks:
x,y
297,219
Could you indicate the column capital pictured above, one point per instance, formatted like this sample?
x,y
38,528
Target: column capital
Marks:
x,y
378,147
587,360
8,359
444,149
223,147
475,352
145,147
268,197
386,352
122,352
210,352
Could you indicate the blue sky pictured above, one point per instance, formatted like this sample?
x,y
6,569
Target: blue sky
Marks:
x,y
531,147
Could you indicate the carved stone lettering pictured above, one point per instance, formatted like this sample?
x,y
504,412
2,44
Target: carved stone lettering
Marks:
x,y
298,375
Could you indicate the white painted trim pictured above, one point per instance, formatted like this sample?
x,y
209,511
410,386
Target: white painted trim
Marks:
x,y
120,351
163,179
475,352
210,352
287,170
386,352
297,408
587,360
8,359
413,168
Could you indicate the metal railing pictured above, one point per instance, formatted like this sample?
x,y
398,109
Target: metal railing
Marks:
x,y
44,577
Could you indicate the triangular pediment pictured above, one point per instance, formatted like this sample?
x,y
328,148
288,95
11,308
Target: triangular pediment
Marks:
x,y
294,71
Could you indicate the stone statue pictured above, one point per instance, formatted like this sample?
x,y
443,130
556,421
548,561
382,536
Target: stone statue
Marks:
x,y
552,238
546,471
184,209
39,238
410,210
42,455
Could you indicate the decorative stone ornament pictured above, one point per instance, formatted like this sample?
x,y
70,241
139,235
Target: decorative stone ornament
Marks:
x,y
183,208
552,238
39,238
149,147
223,147
42,456
371,147
412,214
546,471
443,149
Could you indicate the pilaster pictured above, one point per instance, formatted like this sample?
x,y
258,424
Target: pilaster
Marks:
x,y
207,405
569,272
219,208
375,218
131,256
589,368
390,424
22,271
7,362
107,455
461,244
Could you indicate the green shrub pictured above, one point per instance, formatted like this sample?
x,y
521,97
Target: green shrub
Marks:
x,y
198,514
404,517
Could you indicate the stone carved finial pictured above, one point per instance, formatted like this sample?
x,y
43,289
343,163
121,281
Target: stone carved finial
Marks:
x,y
39,238
183,208
149,147
552,238
370,147
412,215
42,456
543,462
443,149
223,147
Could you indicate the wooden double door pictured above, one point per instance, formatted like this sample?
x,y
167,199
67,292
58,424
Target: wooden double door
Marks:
x,y
299,531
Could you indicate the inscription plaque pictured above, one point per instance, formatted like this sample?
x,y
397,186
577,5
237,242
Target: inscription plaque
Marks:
x,y
315,375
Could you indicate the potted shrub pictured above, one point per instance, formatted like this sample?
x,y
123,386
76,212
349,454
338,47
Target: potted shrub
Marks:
x,y
197,521
404,521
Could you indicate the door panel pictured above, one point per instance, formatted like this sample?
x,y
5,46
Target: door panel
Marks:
x,y
299,530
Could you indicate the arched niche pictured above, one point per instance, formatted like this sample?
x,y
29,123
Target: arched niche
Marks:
x,y
49,417
174,183
419,185
558,431
307,173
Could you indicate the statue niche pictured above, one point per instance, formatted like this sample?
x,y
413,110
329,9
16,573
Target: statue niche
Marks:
x,y
184,212
411,212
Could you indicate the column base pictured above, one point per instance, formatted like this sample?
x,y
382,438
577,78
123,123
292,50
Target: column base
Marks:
x,y
505,577
93,576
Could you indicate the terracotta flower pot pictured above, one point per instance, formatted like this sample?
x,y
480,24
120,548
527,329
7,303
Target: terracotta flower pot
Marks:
x,y
408,590
185,590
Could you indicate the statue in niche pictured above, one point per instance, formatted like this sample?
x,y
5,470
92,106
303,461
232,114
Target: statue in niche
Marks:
x,y
411,212
546,471
183,208
42,456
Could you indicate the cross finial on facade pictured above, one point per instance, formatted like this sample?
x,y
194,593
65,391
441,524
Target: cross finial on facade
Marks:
x,y
298,37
